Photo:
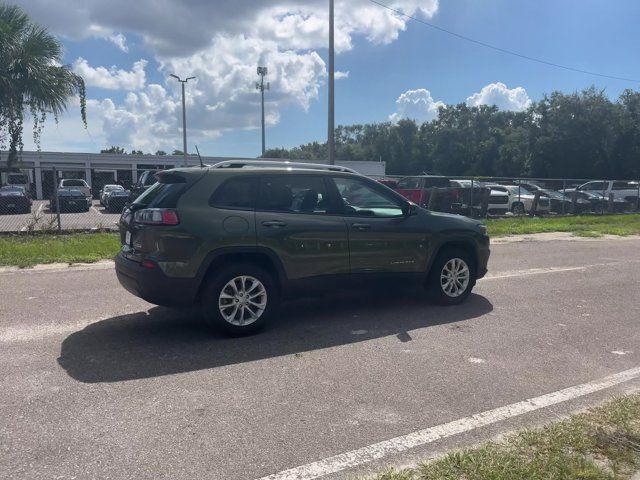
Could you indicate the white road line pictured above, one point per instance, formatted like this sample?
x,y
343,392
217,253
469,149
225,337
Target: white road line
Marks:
x,y
539,271
396,445
536,271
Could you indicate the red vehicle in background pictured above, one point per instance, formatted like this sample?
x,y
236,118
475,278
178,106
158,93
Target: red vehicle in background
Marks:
x,y
389,182
418,189
449,199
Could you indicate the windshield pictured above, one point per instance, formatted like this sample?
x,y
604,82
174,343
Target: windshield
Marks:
x,y
17,179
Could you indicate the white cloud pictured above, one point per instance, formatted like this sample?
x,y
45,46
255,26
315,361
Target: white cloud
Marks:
x,y
112,78
340,75
499,95
221,43
182,27
417,105
120,41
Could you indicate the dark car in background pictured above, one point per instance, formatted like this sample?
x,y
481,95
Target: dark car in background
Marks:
x,y
145,180
600,204
14,199
70,200
116,199
562,203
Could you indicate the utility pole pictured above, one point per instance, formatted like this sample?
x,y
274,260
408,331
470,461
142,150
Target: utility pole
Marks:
x,y
262,71
330,141
184,118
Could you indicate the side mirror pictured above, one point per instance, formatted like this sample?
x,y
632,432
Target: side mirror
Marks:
x,y
409,209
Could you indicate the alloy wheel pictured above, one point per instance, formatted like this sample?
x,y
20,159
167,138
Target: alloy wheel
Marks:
x,y
242,300
454,277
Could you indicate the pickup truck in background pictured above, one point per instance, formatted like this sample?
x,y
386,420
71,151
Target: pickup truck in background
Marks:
x,y
451,197
627,191
68,184
145,180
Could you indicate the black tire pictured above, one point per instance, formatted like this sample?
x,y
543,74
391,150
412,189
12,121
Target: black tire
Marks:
x,y
518,208
211,292
435,286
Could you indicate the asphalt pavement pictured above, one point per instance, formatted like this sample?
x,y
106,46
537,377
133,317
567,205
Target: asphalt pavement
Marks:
x,y
42,217
97,384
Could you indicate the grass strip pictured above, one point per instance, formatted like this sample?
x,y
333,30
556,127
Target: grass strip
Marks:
x,y
602,443
588,225
26,251
29,250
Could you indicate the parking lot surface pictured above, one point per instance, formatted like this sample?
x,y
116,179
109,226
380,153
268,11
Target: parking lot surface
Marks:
x,y
99,384
42,217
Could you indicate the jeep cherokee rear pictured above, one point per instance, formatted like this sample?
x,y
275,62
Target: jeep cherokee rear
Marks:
x,y
237,240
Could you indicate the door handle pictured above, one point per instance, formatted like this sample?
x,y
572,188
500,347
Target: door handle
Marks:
x,y
361,226
274,223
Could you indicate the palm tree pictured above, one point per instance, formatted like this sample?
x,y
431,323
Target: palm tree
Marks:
x,y
31,77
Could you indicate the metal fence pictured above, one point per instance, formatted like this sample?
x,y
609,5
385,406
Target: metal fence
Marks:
x,y
68,198
72,198
505,196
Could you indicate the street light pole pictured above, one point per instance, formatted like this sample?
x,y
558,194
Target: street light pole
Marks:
x,y
184,118
331,126
262,71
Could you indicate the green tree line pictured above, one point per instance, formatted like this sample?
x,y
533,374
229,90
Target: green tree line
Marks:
x,y
579,135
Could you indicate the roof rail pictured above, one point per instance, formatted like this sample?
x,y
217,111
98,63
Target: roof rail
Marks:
x,y
282,164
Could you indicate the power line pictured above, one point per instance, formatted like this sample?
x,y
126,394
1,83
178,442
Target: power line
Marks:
x,y
500,49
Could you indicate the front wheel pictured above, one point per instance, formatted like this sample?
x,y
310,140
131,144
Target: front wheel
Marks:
x,y
239,300
452,277
518,209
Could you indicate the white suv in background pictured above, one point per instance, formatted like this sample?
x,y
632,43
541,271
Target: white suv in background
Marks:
x,y
521,199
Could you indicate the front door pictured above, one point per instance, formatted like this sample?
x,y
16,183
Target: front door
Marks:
x,y
381,238
295,218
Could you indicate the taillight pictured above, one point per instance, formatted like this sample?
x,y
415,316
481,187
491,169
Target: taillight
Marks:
x,y
157,216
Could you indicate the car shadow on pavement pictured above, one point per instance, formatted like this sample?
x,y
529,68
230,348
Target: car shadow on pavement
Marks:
x,y
163,341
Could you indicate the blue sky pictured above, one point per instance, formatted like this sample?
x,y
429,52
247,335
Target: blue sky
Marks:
x,y
386,57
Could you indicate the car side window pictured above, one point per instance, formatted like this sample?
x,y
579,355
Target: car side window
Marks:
x,y
623,186
305,194
236,193
409,183
593,186
362,199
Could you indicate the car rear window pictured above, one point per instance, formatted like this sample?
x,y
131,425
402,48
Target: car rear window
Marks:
x,y
437,182
73,183
163,194
409,183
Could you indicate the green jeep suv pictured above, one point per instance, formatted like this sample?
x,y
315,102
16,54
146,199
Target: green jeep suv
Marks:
x,y
238,237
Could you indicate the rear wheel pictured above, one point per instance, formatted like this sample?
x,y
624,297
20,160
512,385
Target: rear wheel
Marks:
x,y
452,277
239,300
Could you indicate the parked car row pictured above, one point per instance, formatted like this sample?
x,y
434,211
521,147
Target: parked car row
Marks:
x,y
466,196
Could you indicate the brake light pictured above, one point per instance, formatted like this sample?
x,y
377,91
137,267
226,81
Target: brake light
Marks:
x,y
157,216
148,264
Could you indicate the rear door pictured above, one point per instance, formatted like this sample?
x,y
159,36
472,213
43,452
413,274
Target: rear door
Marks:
x,y
381,238
297,219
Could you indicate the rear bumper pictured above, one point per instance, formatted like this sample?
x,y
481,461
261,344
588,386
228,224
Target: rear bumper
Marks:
x,y
152,285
